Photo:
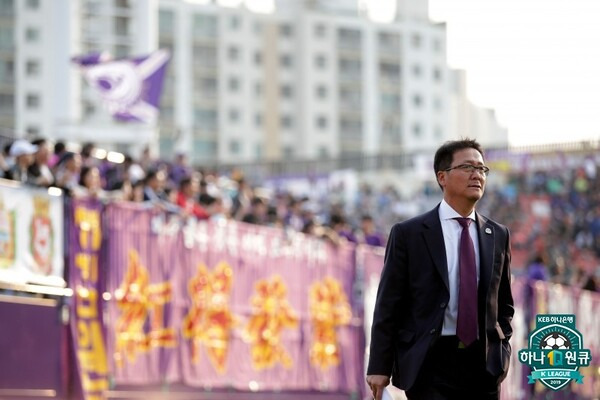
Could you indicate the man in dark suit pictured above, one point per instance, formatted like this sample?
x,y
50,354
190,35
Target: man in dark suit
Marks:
x,y
444,305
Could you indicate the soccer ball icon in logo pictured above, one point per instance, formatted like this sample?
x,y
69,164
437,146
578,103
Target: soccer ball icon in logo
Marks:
x,y
555,341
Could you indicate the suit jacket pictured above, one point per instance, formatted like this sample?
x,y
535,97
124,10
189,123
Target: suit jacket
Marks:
x,y
413,294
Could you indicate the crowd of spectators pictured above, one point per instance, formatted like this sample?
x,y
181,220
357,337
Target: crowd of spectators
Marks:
x,y
560,243
177,187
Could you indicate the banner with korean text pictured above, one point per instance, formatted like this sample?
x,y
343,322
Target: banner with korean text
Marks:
x,y
86,280
31,236
229,305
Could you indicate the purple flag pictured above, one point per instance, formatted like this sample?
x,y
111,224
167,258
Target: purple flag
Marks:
x,y
130,87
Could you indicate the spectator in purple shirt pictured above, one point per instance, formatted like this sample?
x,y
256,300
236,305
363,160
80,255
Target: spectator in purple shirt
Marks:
x,y
369,235
536,271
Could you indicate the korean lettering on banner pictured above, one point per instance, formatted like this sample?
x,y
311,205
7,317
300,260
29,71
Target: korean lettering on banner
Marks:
x,y
86,239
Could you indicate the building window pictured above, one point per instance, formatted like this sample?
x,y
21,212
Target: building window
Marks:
x,y
437,45
234,146
204,26
205,119
32,131
320,30
7,40
417,130
234,115
234,84
258,58
121,51
33,101
234,23
7,71
349,39
322,122
389,71
287,121
7,7
323,152
32,68
258,27
389,42
206,87
205,56
416,40
233,53
122,26
321,92
320,61
258,150
390,102
7,103
166,21
350,69
32,34
258,89
288,152
286,60
437,104
33,4
286,30
437,74
417,100
89,109
287,91
416,70
258,120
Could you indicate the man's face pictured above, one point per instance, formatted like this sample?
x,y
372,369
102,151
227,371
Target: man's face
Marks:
x,y
460,185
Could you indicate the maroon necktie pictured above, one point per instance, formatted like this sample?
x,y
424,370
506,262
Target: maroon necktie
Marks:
x,y
466,326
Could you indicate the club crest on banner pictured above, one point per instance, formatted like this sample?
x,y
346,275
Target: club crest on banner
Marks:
x,y
41,235
7,236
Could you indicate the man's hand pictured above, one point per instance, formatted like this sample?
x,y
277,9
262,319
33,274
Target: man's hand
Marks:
x,y
377,383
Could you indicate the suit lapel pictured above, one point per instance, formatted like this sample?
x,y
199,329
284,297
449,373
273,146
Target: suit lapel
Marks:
x,y
434,238
486,253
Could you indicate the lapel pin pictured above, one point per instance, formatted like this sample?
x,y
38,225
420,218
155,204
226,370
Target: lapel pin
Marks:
x,y
488,231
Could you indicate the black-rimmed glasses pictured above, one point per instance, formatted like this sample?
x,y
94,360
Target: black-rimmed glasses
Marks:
x,y
470,168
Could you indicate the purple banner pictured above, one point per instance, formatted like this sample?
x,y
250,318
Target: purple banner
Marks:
x,y
85,239
130,88
229,305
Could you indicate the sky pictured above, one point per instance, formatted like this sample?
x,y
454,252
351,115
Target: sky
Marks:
x,y
536,62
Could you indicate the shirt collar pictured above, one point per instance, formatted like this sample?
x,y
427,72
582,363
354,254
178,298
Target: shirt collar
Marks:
x,y
447,212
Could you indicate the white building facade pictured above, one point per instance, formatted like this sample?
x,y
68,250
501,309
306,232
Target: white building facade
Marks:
x,y
312,80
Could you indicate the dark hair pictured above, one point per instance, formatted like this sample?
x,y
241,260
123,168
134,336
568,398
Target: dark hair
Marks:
x,y
65,157
59,147
445,154
86,150
39,142
185,182
83,174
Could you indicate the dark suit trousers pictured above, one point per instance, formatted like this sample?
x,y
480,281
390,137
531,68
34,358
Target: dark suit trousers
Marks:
x,y
450,373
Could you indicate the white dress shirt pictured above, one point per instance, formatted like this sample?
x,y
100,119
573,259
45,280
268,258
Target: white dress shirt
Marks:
x,y
452,231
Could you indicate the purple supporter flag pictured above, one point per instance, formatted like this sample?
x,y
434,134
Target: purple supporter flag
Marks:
x,y
130,87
